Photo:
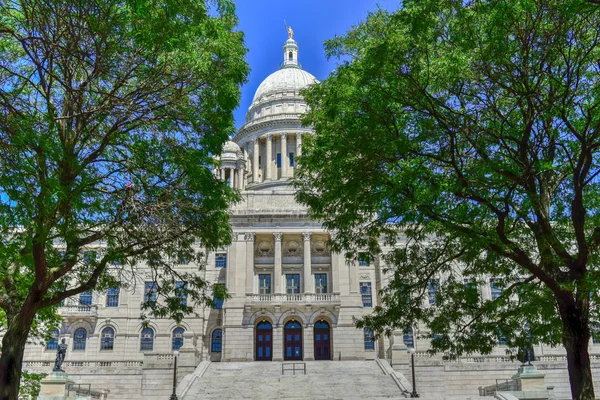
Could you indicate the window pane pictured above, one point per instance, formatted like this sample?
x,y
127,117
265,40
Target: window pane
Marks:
x,y
278,160
112,297
79,339
220,260
181,293
369,343
150,291
292,283
365,291
177,338
217,340
291,159
85,298
432,287
53,342
107,339
147,340
409,339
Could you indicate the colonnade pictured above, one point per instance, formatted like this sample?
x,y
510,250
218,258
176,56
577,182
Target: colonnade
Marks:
x,y
278,273
269,166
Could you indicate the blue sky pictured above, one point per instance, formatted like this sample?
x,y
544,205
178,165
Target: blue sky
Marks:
x,y
313,21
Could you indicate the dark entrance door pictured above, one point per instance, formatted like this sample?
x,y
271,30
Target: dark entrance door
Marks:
x,y
293,341
322,341
264,341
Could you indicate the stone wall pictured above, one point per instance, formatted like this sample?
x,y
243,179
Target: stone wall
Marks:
x,y
439,379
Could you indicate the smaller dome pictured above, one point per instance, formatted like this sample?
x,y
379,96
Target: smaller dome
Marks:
x,y
231,147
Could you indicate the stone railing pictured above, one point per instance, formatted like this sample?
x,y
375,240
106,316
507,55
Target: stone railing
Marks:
x,y
502,385
37,363
295,299
78,311
84,391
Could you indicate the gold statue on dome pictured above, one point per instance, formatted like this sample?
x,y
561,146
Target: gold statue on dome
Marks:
x,y
290,31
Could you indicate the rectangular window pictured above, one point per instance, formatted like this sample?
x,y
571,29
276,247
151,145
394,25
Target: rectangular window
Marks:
x,y
181,293
432,288
278,160
495,288
291,159
369,343
218,303
264,283
150,290
259,161
365,291
320,283
292,283
220,260
85,298
112,297
363,260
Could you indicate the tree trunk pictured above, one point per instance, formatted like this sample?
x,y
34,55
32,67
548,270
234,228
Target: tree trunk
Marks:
x,y
576,336
13,347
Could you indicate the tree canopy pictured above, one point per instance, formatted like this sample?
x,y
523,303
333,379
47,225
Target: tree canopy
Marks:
x,y
110,113
465,136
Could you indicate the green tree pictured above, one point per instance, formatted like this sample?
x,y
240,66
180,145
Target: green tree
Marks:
x,y
110,113
465,135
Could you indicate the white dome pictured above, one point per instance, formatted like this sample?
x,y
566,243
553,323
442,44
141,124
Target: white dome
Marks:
x,y
284,79
231,147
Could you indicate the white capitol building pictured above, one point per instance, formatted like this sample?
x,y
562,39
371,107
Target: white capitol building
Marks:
x,y
292,299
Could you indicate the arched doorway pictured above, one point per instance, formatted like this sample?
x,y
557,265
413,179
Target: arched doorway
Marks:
x,y
292,341
322,341
264,341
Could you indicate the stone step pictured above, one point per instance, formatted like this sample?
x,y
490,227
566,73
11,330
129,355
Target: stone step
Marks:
x,y
327,380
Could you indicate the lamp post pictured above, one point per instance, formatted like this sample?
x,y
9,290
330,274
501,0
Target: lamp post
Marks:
x,y
174,395
411,351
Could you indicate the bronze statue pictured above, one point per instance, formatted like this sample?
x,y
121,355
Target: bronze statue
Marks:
x,y
61,352
290,31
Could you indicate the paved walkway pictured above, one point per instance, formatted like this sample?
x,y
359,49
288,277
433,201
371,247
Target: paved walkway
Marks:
x,y
323,380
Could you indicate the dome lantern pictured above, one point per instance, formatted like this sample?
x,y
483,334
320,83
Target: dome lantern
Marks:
x,y
290,54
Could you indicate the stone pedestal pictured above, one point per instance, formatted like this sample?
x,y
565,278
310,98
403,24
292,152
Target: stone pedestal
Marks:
x,y
529,378
54,387
398,350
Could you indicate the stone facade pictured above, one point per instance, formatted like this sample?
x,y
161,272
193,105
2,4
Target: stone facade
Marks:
x,y
278,270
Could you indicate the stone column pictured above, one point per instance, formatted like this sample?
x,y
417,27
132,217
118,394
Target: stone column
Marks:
x,y
222,174
268,157
335,272
298,145
353,271
308,282
255,161
249,238
231,179
277,267
284,155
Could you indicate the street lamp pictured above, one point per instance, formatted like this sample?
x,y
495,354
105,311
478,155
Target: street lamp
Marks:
x,y
411,351
174,395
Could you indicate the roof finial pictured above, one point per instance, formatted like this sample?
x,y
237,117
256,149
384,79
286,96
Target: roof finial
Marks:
x,y
290,31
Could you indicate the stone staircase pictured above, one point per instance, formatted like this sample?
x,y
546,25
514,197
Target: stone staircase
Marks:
x,y
263,380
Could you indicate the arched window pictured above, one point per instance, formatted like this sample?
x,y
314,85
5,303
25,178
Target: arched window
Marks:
x,y
147,340
53,342
291,56
409,339
178,338
217,341
107,339
79,339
